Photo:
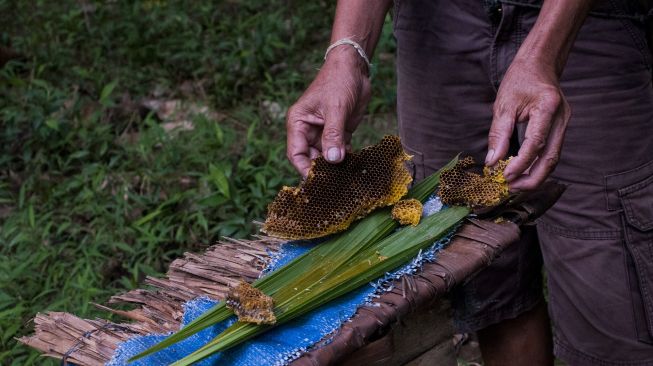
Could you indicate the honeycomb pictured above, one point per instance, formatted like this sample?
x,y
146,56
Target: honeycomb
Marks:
x,y
250,304
495,173
407,212
334,195
461,187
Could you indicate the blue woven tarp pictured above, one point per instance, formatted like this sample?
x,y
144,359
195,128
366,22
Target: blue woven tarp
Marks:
x,y
282,344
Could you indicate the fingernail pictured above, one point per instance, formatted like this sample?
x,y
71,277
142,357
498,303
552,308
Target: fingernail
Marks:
x,y
333,154
490,155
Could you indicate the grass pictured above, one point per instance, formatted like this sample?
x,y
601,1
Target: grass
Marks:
x,y
96,190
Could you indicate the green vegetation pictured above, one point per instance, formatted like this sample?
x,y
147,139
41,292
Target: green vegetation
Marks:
x,y
98,188
347,261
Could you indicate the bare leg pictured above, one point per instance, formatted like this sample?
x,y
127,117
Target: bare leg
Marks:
x,y
524,340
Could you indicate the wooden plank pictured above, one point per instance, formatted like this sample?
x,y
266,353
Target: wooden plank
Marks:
x,y
425,334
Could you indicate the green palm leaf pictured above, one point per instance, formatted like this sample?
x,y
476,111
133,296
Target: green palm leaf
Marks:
x,y
318,264
393,251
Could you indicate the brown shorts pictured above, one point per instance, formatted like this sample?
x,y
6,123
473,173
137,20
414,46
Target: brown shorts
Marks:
x,y
597,241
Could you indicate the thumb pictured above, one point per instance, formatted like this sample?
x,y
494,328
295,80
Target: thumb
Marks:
x,y
333,142
499,137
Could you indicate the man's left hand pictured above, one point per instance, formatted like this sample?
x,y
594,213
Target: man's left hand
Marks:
x,y
529,93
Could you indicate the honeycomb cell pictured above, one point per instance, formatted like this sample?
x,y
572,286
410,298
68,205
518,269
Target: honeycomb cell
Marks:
x,y
250,304
461,187
334,195
407,212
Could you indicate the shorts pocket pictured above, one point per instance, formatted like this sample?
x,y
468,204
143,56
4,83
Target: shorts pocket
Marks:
x,y
637,204
635,28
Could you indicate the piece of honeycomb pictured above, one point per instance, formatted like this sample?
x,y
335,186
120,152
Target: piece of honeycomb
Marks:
x,y
334,195
495,173
250,304
407,212
461,187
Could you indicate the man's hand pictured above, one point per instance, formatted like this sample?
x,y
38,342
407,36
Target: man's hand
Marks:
x,y
529,94
323,119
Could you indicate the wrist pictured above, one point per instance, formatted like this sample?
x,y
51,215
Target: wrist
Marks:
x,y
538,63
348,58
549,42
541,57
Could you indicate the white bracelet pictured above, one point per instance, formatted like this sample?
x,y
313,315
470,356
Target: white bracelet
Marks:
x,y
356,46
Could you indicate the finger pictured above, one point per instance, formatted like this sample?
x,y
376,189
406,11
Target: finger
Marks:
x,y
310,118
333,134
547,161
298,154
315,143
298,144
503,123
314,153
535,139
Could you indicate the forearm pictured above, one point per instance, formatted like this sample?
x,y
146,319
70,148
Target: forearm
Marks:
x,y
362,22
549,42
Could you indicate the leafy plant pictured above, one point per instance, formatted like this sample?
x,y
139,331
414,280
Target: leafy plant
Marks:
x,y
95,192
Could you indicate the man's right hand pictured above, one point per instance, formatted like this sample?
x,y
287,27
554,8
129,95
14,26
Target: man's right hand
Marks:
x,y
325,116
